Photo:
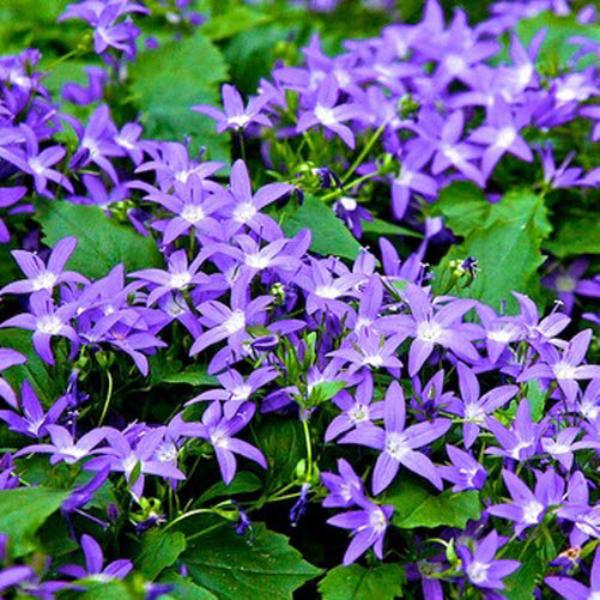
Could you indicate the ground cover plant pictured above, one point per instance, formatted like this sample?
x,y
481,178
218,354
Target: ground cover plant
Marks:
x,y
299,299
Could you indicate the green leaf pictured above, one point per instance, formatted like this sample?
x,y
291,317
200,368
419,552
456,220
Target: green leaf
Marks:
x,y
329,234
185,589
160,549
234,568
282,442
109,590
195,376
505,238
168,81
534,560
557,48
102,242
325,390
381,581
23,511
381,227
47,386
576,236
415,506
236,20
243,483
537,399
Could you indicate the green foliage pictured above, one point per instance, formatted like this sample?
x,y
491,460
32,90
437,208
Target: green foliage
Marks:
x,y
23,511
236,20
159,550
167,81
234,568
416,506
102,242
381,581
576,236
184,589
505,238
243,483
329,234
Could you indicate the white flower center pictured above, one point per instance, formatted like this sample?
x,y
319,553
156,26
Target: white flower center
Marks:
x,y
235,322
348,203
180,280
219,439
474,413
477,571
257,261
167,452
325,115
44,281
563,370
192,213
503,335
73,453
129,463
405,178
244,212
532,512
396,445
241,392
565,283
373,360
455,64
329,292
36,166
429,331
506,136
49,324
359,413
377,520
239,121
452,154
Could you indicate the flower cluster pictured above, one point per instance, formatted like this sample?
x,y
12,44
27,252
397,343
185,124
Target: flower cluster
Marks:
x,y
417,418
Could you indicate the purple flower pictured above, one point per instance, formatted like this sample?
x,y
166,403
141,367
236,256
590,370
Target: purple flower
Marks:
x,y
429,327
219,432
34,421
329,114
46,321
568,282
474,408
357,410
527,508
409,180
42,276
565,368
94,564
235,115
73,92
368,527
465,472
398,443
344,488
564,445
571,589
9,196
480,567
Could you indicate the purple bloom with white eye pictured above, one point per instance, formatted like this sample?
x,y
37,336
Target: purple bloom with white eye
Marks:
x,y
565,368
235,115
499,331
37,164
46,321
528,508
94,569
98,194
430,398
521,440
123,456
368,527
500,134
9,358
369,349
327,113
343,488
244,210
357,409
398,443
571,589
218,431
563,446
34,421
568,282
480,566
64,448
411,179
230,323
563,176
465,472
474,408
352,213
180,275
128,139
42,276
537,330
430,327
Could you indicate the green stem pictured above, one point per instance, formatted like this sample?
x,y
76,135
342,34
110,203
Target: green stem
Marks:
x,y
107,399
192,513
359,159
308,449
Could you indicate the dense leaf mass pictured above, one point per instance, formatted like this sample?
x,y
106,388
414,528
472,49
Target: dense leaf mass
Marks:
x,y
299,299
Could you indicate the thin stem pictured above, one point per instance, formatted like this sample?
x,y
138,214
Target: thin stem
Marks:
x,y
308,448
242,144
107,399
368,147
192,513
